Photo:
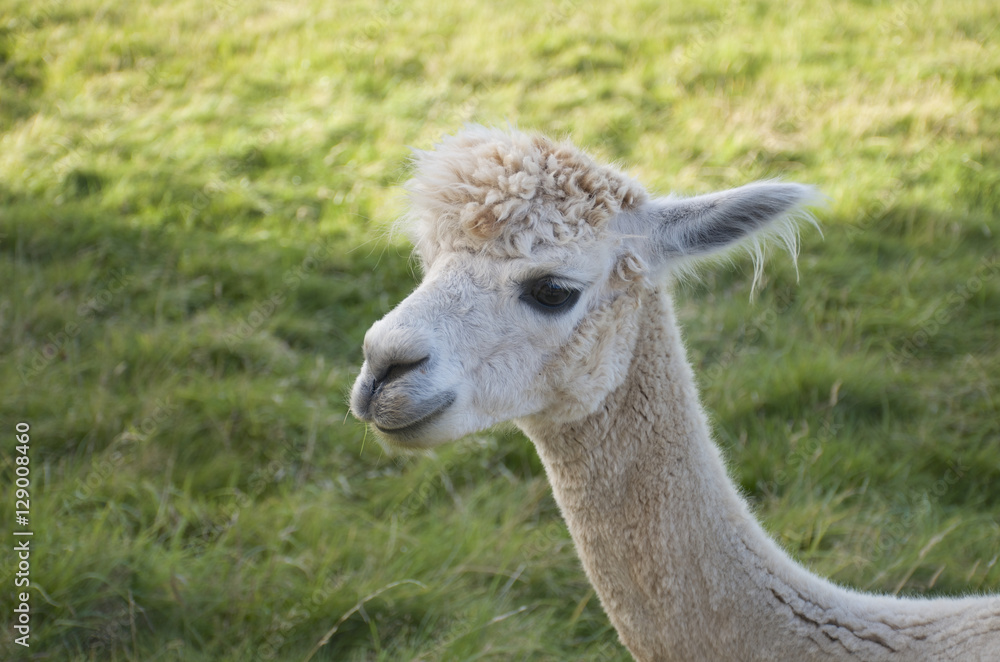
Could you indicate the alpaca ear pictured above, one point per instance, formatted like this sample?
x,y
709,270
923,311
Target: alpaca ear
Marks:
x,y
667,231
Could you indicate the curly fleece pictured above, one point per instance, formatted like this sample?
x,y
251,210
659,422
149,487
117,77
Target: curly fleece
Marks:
x,y
508,192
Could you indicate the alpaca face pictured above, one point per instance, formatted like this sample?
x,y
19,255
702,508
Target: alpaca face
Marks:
x,y
535,258
484,340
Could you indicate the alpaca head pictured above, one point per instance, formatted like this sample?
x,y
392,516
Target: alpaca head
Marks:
x,y
534,258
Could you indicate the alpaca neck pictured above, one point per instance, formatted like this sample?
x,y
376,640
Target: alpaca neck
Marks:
x,y
682,568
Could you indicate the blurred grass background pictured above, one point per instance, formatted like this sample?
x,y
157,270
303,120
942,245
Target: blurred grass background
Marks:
x,y
193,208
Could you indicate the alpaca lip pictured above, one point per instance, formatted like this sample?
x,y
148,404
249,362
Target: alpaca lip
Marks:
x,y
439,403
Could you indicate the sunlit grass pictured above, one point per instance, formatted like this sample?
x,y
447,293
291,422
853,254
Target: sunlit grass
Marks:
x,y
194,210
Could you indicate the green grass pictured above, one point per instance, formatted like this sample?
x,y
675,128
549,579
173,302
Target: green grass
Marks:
x,y
194,202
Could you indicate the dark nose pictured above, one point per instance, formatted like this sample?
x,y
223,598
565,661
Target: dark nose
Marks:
x,y
392,352
394,371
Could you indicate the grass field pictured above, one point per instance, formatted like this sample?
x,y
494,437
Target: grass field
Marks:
x,y
194,203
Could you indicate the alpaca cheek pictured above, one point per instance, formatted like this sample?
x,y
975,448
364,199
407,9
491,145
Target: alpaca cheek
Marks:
x,y
596,359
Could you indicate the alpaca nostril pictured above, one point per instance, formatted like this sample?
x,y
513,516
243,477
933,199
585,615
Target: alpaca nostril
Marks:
x,y
395,371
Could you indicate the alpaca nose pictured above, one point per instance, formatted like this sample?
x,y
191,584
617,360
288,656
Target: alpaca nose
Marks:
x,y
392,352
393,371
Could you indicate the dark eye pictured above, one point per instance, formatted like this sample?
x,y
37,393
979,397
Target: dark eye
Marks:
x,y
549,296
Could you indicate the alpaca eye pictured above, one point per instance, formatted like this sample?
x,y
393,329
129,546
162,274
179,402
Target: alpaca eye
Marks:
x,y
549,296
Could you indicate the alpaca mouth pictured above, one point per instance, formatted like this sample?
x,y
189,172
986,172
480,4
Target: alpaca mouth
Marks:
x,y
438,405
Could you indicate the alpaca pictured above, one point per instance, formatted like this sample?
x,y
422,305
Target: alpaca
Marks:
x,y
544,302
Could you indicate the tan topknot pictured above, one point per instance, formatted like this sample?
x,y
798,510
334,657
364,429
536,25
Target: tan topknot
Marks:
x,y
510,192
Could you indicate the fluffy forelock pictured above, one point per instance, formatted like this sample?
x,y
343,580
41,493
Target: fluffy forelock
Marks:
x,y
509,192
